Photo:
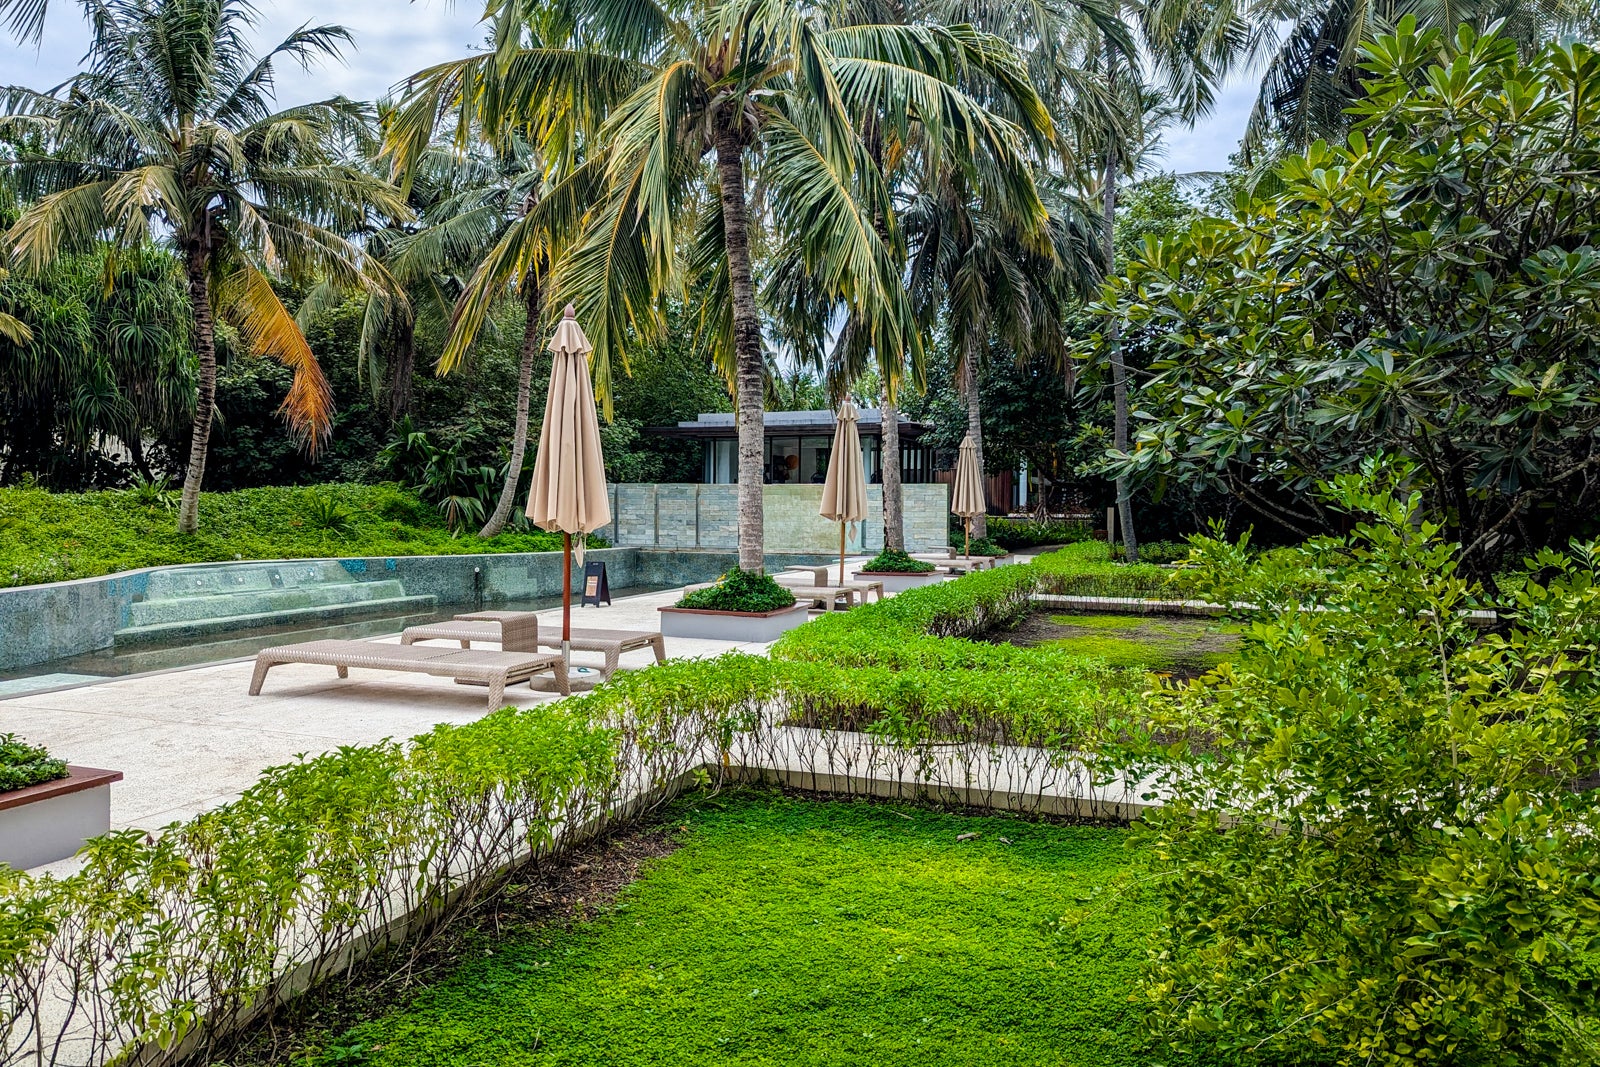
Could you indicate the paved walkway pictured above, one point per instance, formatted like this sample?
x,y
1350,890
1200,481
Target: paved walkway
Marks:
x,y
191,739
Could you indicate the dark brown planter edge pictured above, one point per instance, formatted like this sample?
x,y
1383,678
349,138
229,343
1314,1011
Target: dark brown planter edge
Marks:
x,y
901,574
740,614
77,780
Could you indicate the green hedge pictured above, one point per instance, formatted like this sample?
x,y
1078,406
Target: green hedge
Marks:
x,y
49,537
1031,533
1087,569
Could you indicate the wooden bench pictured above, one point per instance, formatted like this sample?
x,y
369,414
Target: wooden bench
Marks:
x,y
518,631
472,666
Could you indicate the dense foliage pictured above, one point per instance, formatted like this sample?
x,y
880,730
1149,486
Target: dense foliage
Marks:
x,y
1087,569
740,590
1380,838
809,932
52,537
22,764
1430,289
896,561
1034,533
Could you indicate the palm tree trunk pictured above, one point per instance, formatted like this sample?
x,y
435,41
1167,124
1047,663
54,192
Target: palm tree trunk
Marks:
x,y
1119,367
749,367
894,526
519,438
969,386
205,344
402,368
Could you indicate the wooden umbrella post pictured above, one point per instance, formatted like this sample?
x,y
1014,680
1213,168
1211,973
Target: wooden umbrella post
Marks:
x,y
966,545
566,602
841,553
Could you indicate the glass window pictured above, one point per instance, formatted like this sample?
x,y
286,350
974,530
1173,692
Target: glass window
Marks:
x,y
814,453
722,461
871,454
783,460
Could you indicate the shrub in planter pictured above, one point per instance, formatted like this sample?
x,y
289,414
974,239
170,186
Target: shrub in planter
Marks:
x,y
895,561
740,590
982,546
22,764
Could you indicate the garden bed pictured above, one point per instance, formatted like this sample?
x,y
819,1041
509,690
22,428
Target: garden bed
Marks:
x,y
776,929
1180,645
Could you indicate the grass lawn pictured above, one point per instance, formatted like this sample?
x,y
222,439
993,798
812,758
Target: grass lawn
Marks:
x,y
801,932
1176,644
48,537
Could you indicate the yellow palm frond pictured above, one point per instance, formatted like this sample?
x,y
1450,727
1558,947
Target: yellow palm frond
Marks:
x,y
246,299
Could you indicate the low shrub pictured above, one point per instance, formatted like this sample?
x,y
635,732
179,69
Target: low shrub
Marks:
x,y
1163,551
895,561
1033,533
1378,840
59,536
982,546
22,764
740,590
1087,569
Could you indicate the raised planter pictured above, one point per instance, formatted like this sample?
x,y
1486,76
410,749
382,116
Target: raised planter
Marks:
x,y
741,626
51,821
900,581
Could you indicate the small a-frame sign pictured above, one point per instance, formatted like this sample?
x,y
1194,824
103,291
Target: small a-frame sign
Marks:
x,y
595,586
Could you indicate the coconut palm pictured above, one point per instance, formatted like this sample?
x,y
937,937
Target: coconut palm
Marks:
x,y
170,134
525,109
761,90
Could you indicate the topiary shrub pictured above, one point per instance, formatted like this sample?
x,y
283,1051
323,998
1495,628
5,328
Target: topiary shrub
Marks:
x,y
740,590
22,764
895,561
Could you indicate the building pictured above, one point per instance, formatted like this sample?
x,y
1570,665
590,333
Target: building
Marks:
x,y
798,444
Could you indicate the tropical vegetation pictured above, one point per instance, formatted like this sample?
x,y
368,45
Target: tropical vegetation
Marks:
x,y
22,764
740,590
896,561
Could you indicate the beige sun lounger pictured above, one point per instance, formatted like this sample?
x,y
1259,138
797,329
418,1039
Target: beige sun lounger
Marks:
x,y
956,564
472,666
863,588
518,631
821,597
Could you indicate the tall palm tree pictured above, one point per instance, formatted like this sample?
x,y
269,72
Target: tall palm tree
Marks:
x,y
757,87
977,266
528,108
170,134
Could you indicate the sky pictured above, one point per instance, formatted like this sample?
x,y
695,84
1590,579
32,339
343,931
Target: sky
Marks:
x,y
395,38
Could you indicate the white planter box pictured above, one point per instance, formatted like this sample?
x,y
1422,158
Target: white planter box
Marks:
x,y
740,626
899,583
49,822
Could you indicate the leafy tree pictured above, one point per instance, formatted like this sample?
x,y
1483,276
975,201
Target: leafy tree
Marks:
x,y
1406,293
1378,837
1315,71
169,134
106,366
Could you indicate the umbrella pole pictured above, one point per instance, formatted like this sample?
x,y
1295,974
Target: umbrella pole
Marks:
x,y
566,602
966,547
841,553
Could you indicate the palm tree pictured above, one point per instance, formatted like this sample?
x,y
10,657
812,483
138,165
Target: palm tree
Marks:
x,y
758,88
526,110
170,134
979,268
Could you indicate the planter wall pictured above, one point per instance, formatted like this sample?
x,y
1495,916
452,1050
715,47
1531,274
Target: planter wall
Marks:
x,y
49,822
899,583
741,626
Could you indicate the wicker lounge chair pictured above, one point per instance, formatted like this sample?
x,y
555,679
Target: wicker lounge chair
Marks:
x,y
795,579
955,564
473,666
518,631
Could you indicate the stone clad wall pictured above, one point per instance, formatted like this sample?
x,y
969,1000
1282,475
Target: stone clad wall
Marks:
x,y
671,515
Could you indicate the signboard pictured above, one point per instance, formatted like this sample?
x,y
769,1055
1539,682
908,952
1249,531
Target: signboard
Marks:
x,y
595,586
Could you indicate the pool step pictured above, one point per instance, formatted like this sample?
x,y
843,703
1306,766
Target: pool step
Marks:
x,y
189,603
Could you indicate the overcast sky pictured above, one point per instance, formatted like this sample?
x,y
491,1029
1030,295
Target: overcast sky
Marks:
x,y
395,38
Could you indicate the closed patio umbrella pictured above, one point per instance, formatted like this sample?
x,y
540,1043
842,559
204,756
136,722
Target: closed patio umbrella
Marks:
x,y
844,493
569,472
966,496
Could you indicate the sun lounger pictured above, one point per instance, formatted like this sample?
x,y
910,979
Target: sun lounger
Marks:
x,y
955,564
472,666
796,580
518,631
822,597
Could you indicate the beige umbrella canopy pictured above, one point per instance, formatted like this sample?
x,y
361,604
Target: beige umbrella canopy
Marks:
x,y
966,496
844,493
569,472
